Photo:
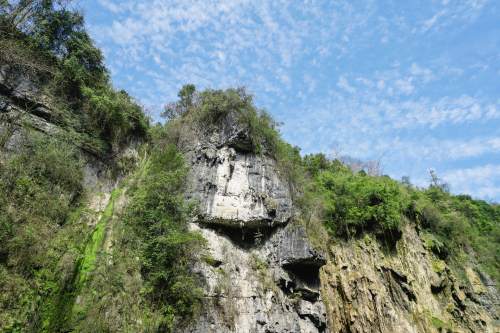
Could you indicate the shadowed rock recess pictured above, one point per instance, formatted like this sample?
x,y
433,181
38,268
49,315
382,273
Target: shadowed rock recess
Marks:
x,y
261,274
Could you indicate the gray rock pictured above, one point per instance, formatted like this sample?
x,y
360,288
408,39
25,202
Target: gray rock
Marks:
x,y
244,208
233,186
242,291
294,249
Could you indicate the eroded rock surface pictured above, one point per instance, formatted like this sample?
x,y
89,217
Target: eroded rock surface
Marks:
x,y
238,189
259,274
242,290
233,186
371,289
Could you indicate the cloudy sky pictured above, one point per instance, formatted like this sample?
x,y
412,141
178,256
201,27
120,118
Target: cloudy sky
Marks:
x,y
414,84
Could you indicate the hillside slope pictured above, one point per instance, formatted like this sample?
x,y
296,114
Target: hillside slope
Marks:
x,y
209,222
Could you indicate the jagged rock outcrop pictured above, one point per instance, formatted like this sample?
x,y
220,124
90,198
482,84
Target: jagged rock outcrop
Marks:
x,y
25,107
260,274
243,290
232,185
294,249
369,288
21,104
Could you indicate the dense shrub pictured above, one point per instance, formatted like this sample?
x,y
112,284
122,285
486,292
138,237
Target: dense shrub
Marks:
x,y
40,188
355,202
209,107
48,42
114,115
456,228
158,216
465,227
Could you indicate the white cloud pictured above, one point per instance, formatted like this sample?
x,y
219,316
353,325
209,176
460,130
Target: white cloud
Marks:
x,y
313,62
462,11
481,181
428,24
342,83
405,86
426,74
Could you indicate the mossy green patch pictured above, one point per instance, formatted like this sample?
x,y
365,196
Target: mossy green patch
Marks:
x,y
439,324
95,242
438,265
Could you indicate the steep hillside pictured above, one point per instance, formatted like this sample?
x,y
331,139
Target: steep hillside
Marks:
x,y
209,222
66,137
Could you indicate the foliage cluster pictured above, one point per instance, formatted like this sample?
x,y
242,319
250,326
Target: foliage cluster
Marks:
x,y
456,228
157,217
348,203
353,203
47,41
210,107
462,227
40,190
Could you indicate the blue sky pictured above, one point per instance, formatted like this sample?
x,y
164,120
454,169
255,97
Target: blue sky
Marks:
x,y
413,84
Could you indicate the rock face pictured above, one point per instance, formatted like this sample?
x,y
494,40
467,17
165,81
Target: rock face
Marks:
x,y
371,289
245,291
234,186
24,107
260,273
238,189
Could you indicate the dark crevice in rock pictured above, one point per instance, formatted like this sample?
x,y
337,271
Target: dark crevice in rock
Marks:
x,y
318,323
297,289
307,274
30,106
243,237
436,289
399,287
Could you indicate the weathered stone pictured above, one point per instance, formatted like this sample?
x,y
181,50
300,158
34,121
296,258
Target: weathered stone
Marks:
x,y
294,249
368,289
244,208
242,292
233,186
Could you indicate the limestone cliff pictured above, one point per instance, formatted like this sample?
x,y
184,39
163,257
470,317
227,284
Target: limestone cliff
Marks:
x,y
260,274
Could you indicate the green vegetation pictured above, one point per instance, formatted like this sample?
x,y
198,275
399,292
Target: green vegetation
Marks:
x,y
345,203
353,203
211,107
132,270
45,42
157,217
87,264
461,227
40,194
38,188
48,246
456,228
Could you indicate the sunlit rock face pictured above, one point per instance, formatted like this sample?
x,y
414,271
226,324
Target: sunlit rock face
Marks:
x,y
239,189
370,288
245,290
260,274
233,186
